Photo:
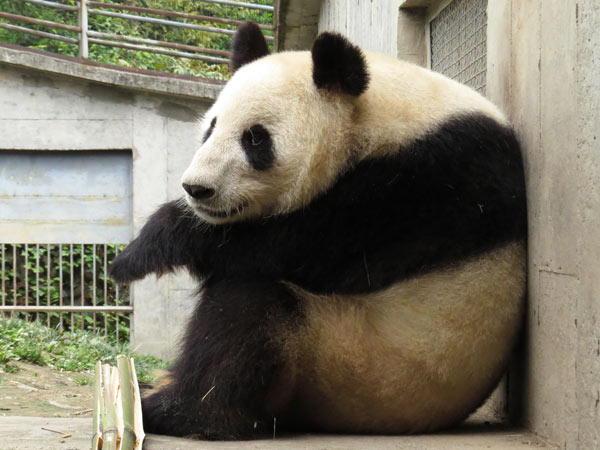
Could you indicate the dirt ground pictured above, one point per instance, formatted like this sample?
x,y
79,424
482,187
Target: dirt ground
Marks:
x,y
44,392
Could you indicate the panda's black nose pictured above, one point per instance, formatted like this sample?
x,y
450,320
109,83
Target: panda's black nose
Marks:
x,y
198,191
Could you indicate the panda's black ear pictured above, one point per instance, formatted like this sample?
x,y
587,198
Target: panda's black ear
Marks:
x,y
339,65
248,44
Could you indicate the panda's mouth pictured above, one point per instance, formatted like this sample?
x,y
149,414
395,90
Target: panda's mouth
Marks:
x,y
222,214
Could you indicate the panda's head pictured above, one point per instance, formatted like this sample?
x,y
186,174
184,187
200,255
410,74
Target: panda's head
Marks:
x,y
280,131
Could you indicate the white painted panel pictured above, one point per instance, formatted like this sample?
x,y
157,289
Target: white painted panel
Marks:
x,y
65,197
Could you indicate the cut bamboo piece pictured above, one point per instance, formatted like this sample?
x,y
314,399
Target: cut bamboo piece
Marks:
x,y
118,409
97,437
138,425
127,429
115,387
110,433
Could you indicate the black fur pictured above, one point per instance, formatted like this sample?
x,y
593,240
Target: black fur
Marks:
x,y
457,192
208,133
258,146
454,193
231,358
339,65
248,45
158,249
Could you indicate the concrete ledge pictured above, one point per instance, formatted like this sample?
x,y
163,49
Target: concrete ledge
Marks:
x,y
137,79
26,433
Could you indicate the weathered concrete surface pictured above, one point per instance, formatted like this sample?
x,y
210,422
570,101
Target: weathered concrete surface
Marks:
x,y
50,103
141,80
26,433
549,83
411,45
297,24
372,25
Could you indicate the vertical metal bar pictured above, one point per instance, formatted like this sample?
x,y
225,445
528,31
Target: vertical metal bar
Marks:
x,y
14,247
72,275
26,267
48,269
131,299
82,284
117,295
37,280
94,285
60,283
3,276
83,23
105,295
275,25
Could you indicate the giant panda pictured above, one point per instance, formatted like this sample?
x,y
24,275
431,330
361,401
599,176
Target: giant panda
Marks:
x,y
357,226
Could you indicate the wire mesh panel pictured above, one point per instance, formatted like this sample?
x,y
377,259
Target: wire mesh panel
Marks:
x,y
458,42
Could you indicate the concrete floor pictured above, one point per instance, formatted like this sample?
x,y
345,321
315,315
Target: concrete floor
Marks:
x,y
25,433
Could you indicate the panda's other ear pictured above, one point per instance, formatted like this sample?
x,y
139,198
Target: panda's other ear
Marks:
x,y
248,44
339,65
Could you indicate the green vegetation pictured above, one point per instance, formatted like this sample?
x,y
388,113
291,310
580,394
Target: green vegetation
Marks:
x,y
75,351
44,272
115,25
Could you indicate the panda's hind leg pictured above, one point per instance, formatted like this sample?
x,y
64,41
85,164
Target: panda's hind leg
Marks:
x,y
231,355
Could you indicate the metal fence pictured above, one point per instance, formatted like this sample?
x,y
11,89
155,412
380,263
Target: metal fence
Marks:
x,y
458,42
66,286
87,36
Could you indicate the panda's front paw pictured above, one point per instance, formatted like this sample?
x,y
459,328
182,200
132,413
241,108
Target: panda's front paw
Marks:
x,y
128,266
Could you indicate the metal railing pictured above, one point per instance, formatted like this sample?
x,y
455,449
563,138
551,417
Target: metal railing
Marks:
x,y
87,36
64,285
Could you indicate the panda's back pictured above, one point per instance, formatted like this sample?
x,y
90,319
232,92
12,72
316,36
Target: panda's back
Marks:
x,y
405,101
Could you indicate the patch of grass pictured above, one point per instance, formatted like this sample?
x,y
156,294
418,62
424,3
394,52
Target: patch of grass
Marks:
x,y
10,368
82,380
75,351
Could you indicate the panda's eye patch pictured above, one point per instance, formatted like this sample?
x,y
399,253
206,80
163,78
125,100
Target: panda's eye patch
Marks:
x,y
258,146
213,122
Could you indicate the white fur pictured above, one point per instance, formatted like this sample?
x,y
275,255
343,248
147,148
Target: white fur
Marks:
x,y
315,133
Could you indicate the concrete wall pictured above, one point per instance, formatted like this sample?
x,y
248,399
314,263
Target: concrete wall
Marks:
x,y
553,77
50,103
372,25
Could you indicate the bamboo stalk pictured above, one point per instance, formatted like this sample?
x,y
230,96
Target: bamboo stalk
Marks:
x,y
138,425
98,408
118,408
109,417
115,387
127,404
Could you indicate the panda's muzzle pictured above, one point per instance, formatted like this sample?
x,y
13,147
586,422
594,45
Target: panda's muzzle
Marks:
x,y
221,214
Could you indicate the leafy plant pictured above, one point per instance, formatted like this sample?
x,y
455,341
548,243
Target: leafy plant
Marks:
x,y
75,351
117,25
